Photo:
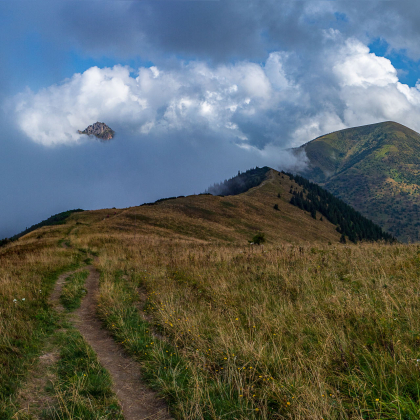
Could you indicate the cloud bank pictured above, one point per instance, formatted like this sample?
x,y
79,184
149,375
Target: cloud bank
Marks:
x,y
254,105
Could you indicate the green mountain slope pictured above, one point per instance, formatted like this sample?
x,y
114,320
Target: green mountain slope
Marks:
x,y
374,168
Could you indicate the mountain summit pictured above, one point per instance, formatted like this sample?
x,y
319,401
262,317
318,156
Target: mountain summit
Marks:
x,y
99,130
374,168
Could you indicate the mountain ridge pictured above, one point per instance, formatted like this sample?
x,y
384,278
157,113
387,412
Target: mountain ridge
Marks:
x,y
376,169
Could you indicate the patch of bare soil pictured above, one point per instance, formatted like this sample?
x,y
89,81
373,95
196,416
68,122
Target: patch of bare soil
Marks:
x,y
137,400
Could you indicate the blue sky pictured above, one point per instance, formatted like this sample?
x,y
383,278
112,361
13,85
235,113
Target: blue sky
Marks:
x,y
196,90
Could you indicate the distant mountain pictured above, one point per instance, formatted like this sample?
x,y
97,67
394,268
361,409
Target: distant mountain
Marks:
x,y
374,168
99,130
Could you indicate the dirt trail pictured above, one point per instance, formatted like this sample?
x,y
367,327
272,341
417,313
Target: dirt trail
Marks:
x,y
137,400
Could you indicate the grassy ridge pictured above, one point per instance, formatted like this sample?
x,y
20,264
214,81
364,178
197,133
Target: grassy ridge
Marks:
x,y
56,219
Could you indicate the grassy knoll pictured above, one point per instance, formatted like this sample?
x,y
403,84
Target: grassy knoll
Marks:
x,y
286,332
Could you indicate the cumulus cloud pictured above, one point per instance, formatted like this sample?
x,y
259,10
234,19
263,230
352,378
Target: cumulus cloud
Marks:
x,y
256,106
151,100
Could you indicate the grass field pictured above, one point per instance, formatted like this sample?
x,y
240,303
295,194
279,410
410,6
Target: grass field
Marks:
x,y
293,332
222,329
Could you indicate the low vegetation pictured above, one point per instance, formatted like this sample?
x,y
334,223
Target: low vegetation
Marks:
x,y
74,290
222,328
82,387
292,332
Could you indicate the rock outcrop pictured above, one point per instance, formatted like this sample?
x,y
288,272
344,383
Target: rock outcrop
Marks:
x,y
99,130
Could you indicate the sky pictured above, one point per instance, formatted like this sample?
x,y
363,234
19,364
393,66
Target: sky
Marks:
x,y
195,91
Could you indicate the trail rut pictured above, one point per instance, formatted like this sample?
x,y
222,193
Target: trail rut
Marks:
x,y
137,400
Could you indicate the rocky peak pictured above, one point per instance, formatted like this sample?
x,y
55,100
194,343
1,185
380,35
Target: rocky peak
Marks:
x,y
99,130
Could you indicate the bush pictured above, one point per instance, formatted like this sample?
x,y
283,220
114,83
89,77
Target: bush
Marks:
x,y
258,239
276,206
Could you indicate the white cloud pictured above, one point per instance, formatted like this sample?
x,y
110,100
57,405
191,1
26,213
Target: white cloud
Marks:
x,y
194,94
359,67
258,106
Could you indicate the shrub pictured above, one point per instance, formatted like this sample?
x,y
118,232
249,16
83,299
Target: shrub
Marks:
x,y
258,239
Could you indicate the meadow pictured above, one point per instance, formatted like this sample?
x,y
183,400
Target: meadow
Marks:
x,y
289,332
221,329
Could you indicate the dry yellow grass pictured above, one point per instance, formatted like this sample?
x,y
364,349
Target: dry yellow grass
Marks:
x,y
27,273
296,329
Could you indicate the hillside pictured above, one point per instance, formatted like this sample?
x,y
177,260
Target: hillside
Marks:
x,y
204,217
166,306
56,219
260,200
375,169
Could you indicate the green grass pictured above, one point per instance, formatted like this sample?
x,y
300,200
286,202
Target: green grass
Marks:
x,y
187,388
296,332
19,348
74,290
82,388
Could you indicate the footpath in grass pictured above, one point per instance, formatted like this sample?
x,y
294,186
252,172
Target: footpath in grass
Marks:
x,y
25,327
82,387
192,391
72,384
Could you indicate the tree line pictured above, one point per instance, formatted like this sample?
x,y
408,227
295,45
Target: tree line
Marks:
x,y
241,183
349,222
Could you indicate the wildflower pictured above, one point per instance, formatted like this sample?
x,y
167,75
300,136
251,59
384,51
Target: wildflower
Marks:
x,y
23,299
288,403
15,300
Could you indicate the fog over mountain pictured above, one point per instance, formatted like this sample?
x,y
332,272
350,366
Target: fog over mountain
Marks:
x,y
195,91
